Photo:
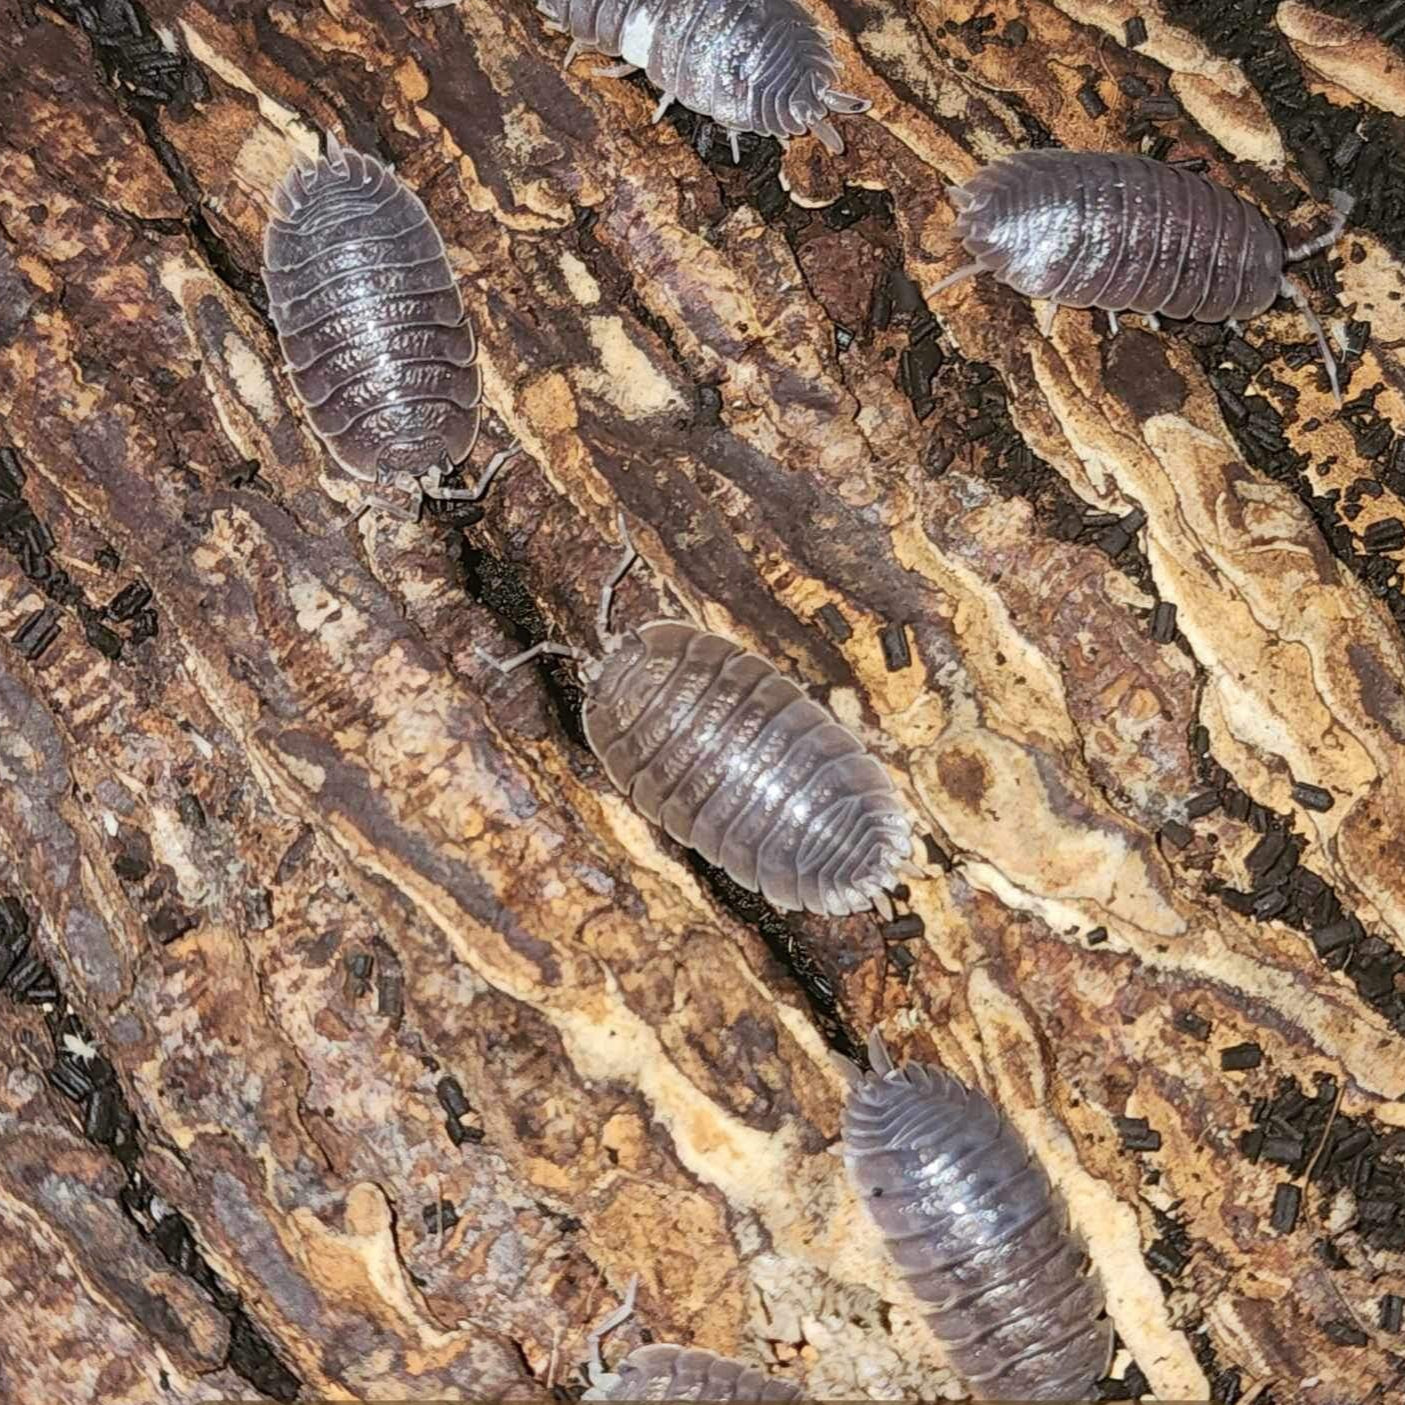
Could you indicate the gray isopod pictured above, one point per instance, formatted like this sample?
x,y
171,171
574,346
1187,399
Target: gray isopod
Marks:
x,y
750,65
978,1232
733,760
1125,233
373,328
666,1372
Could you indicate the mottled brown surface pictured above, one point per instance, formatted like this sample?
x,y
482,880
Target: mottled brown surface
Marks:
x,y
308,764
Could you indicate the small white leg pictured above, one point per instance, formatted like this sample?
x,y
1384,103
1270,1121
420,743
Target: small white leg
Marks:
x,y
884,905
547,646
434,4
665,103
616,70
595,1367
607,591
1113,322
1154,320
433,487
1045,318
735,139
575,47
1291,290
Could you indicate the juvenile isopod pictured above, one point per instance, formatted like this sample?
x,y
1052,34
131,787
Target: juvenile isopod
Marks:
x,y
372,327
1126,233
666,1372
733,760
750,65
977,1230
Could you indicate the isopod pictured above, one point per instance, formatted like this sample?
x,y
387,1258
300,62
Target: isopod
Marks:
x,y
1126,233
666,1372
372,327
978,1232
750,65
734,761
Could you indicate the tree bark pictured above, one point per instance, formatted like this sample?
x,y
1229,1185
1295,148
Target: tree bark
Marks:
x,y
361,1040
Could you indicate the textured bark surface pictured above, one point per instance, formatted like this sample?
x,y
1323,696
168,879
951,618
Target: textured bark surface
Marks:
x,y
297,877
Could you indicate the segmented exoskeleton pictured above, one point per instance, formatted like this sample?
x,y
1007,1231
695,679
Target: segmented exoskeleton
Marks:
x,y
733,760
1126,233
972,1221
750,65
666,1372
372,326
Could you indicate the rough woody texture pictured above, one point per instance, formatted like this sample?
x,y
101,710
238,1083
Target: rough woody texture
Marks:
x,y
360,1041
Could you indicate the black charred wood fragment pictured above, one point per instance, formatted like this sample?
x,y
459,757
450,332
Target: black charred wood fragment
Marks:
x,y
836,626
1312,797
1090,100
12,474
1269,904
1163,622
251,1357
1197,1026
1198,806
1137,1135
1287,1200
1158,109
100,1117
1385,535
36,632
1175,833
1285,1150
1342,1333
129,601
1165,1258
902,960
70,1081
1133,85
1344,932
1097,936
1240,1057
1265,854
904,929
896,653
1134,32
440,1217
451,1097
1392,1312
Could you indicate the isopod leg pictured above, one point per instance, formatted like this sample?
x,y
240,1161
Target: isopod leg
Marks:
x,y
883,905
1291,290
607,591
1154,321
878,1055
665,103
825,131
547,646
434,488
969,271
616,70
1341,207
1044,318
1112,322
595,1366
734,137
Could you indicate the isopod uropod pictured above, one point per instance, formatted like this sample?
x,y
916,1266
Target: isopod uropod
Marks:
x,y
750,65
978,1232
372,326
666,1372
1126,233
733,760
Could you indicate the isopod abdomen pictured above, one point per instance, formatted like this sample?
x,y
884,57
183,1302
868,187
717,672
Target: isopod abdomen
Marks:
x,y
750,65
978,1232
665,1372
1128,234
371,324
734,761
